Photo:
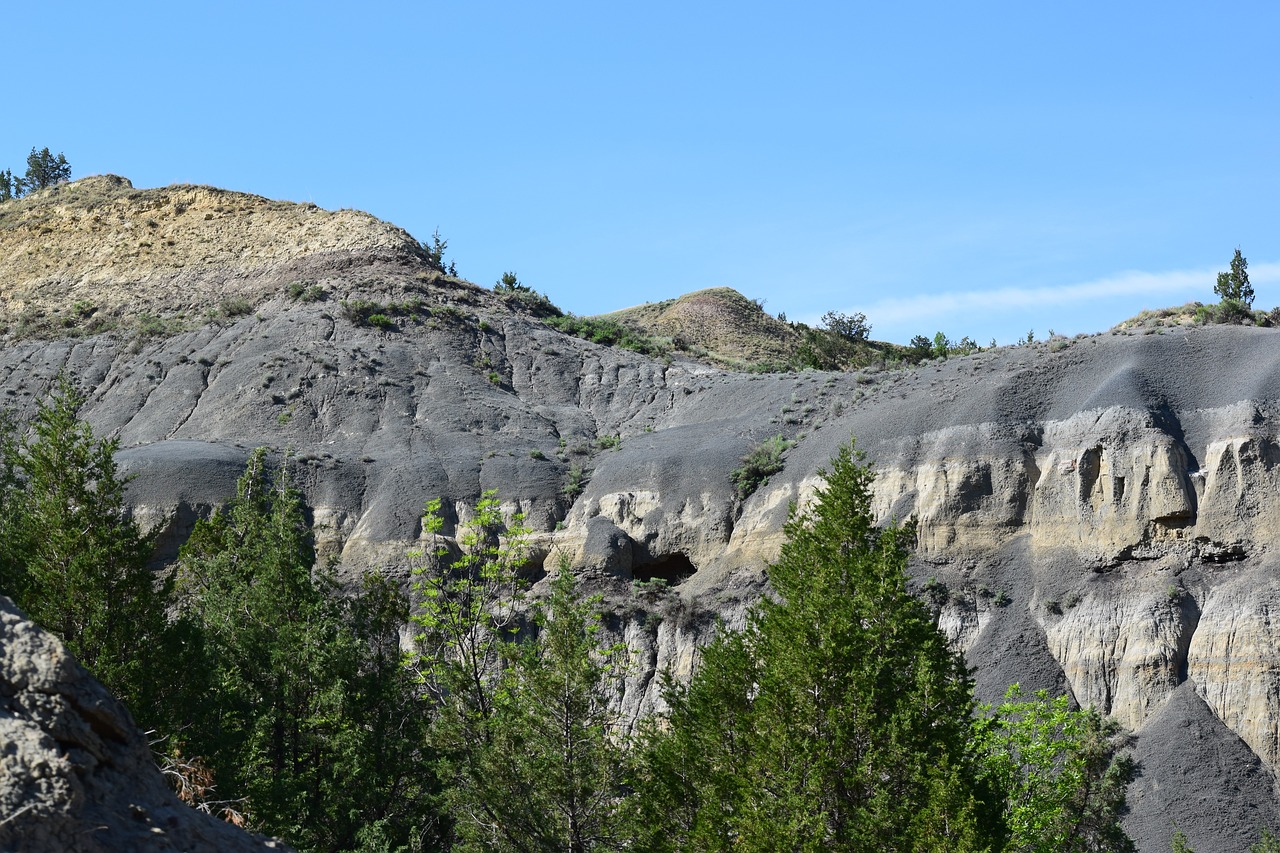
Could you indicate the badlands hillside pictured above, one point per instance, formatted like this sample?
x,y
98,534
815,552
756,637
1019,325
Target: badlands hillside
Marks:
x,y
1099,516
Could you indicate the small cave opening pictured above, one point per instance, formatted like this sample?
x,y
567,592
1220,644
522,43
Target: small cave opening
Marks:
x,y
533,569
673,568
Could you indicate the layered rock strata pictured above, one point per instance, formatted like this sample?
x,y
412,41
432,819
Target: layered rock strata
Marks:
x,y
1096,515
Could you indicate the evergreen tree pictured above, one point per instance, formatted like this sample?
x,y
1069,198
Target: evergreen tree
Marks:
x,y
10,186
1233,286
45,169
75,560
837,720
435,254
311,719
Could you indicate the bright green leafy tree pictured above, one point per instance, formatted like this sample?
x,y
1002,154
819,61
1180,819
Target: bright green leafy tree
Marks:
x,y
1063,774
838,719
468,592
532,748
552,768
312,718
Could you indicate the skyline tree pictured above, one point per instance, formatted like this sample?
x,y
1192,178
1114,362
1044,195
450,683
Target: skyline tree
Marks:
x,y
44,169
1233,285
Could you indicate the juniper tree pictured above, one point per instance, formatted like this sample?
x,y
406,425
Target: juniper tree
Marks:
x,y
1233,285
311,717
838,719
76,561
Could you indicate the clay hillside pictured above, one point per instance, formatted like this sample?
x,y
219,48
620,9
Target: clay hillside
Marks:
x,y
1098,515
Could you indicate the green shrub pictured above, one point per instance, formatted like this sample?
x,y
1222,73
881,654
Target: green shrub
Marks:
x,y
152,326
576,482
763,460
1234,312
235,307
300,291
1227,312
364,313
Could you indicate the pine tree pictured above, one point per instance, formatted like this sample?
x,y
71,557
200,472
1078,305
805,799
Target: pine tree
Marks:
x,y
837,720
44,169
10,186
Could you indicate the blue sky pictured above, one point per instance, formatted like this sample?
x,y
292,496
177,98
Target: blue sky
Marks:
x,y
981,169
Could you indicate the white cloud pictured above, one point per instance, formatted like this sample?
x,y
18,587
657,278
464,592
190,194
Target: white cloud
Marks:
x,y
1171,286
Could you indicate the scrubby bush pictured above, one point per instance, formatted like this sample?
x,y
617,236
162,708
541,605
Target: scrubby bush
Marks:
x,y
300,291
606,333
235,307
519,295
763,460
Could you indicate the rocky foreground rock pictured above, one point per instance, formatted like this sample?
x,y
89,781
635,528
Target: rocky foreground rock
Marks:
x,y
76,776
1098,515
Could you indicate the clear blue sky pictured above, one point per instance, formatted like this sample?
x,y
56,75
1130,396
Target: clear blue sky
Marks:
x,y
981,168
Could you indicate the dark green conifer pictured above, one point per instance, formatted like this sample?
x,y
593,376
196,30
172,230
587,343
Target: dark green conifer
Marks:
x,y
838,719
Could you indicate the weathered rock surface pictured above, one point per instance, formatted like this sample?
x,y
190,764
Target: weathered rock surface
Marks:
x,y
1098,515
75,773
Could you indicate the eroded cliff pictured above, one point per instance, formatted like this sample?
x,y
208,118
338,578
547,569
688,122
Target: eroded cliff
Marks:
x,y
1097,515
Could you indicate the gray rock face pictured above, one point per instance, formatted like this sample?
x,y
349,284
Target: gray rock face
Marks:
x,y
1100,515
1102,518
75,774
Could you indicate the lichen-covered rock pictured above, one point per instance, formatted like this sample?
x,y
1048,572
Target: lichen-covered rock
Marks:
x,y
76,776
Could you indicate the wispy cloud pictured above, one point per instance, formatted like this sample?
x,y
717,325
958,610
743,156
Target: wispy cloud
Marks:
x,y
1170,286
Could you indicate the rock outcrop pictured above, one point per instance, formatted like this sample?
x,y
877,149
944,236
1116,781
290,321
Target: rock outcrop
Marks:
x,y
1096,515
75,773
